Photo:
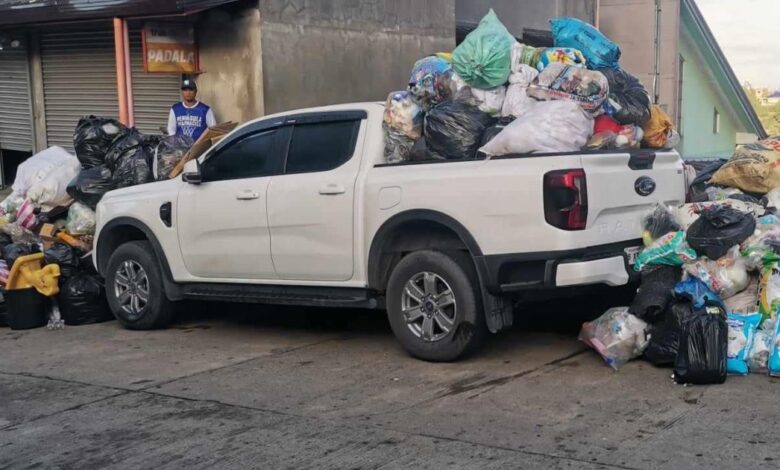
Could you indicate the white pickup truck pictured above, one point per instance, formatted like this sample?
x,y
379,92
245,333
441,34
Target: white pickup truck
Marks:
x,y
300,208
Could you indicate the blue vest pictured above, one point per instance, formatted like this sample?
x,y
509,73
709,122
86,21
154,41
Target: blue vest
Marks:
x,y
190,121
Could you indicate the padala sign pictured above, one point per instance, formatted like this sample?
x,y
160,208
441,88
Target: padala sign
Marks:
x,y
169,48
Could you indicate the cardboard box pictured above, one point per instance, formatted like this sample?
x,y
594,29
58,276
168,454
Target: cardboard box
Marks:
x,y
204,142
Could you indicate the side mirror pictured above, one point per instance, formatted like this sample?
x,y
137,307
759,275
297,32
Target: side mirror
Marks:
x,y
191,173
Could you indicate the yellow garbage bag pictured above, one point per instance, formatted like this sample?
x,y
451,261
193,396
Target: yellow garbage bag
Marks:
x,y
754,168
657,128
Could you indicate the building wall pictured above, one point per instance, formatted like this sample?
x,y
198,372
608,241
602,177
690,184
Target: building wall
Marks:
x,y
631,24
519,14
319,53
231,54
701,95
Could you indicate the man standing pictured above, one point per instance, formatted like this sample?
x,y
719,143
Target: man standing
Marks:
x,y
190,117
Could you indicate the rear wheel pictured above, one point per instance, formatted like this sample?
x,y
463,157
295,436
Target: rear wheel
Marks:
x,y
434,305
134,287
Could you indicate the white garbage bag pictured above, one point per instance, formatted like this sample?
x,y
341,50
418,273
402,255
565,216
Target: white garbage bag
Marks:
x,y
36,168
489,100
51,191
517,101
549,126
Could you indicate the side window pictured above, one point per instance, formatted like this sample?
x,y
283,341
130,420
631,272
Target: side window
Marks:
x,y
321,146
249,157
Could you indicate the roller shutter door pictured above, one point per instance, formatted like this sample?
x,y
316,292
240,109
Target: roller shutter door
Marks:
x,y
153,93
79,78
16,128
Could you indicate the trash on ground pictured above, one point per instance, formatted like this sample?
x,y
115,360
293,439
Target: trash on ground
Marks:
x,y
617,336
742,331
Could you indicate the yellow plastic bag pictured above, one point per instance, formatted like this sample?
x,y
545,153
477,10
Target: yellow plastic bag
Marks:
x,y
657,129
754,168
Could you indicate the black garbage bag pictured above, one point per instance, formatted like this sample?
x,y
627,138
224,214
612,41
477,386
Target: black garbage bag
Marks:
x,y
495,129
123,147
133,169
453,129
665,336
746,198
627,91
718,229
655,293
82,300
5,240
93,137
701,357
16,250
168,153
699,184
64,256
420,152
90,185
660,222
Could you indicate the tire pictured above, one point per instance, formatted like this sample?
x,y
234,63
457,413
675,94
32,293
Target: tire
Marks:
x,y
157,311
453,271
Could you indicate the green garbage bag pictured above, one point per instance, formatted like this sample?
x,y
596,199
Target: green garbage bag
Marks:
x,y
484,58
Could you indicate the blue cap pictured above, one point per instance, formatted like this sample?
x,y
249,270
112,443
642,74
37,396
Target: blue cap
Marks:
x,y
188,84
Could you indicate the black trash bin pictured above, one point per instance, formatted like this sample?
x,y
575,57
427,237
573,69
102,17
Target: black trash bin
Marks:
x,y
26,308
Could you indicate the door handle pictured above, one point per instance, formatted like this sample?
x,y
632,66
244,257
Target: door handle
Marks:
x,y
247,196
332,189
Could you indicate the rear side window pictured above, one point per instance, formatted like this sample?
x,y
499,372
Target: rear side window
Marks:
x,y
249,157
321,146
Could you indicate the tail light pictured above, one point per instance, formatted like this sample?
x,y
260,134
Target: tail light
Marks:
x,y
566,199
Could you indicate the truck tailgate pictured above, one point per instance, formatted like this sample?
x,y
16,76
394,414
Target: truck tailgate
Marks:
x,y
622,187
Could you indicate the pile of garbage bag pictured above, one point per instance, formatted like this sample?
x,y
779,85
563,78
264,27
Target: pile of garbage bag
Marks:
x,y
553,93
710,275
49,217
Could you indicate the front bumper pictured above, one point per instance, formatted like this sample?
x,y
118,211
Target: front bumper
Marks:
x,y
603,264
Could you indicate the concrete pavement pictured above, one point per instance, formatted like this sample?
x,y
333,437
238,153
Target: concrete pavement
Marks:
x,y
268,387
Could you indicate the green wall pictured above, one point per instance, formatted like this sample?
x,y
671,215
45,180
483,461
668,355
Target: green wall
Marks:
x,y
700,98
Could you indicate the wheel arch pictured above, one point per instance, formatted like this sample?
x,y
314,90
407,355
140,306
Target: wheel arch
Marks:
x,y
411,230
126,229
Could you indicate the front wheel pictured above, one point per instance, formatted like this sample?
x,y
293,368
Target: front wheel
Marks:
x,y
134,287
434,305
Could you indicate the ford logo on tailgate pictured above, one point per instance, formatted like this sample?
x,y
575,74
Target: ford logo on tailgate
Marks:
x,y
644,186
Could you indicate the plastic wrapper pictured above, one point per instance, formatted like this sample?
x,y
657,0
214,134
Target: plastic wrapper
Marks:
x,y
64,256
658,223
90,185
754,168
398,146
82,300
673,140
4,272
403,114
715,193
665,337
25,215
553,126
10,206
124,146
701,356
523,54
431,82
588,88
774,356
671,250
718,230
657,128
18,234
769,289
167,154
598,50
629,101
655,293
726,276
15,251
93,137
133,169
745,302
687,214
762,244
697,291
484,57
454,128
742,331
81,220
37,168
758,356
561,55
617,336
517,101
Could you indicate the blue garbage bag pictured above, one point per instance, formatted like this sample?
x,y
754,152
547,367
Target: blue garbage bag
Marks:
x,y
697,292
598,50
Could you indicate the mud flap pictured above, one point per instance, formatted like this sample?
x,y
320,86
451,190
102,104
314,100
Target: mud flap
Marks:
x,y
499,314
